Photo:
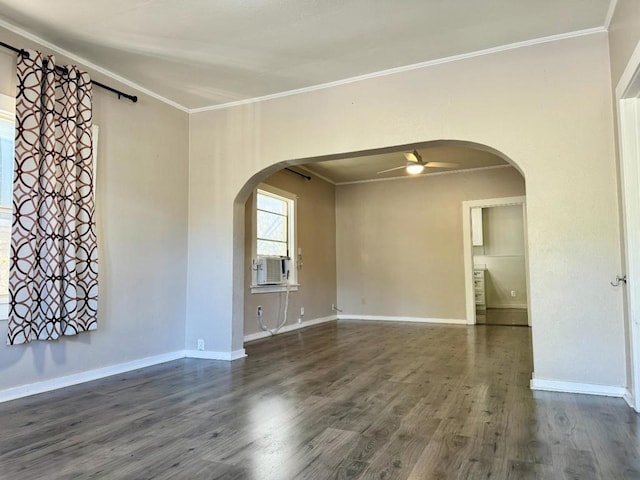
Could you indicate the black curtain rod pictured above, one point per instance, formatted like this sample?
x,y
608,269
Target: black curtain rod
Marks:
x,y
120,94
298,173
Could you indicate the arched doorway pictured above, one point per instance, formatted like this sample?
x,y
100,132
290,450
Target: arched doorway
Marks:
x,y
371,301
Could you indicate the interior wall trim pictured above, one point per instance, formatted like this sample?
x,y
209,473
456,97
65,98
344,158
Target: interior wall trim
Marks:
x,y
470,303
574,387
610,12
211,355
406,68
87,376
454,58
628,397
98,373
289,328
86,63
315,174
383,318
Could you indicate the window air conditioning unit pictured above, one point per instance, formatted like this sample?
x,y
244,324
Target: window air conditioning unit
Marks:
x,y
272,270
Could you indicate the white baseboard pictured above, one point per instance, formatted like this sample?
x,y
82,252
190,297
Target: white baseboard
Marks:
x,y
629,399
288,328
76,378
380,318
257,336
88,376
516,306
574,387
211,355
236,354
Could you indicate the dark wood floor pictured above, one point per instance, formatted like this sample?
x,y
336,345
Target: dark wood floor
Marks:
x,y
352,400
503,316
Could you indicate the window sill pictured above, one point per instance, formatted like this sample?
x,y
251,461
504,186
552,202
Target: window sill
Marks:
x,y
273,288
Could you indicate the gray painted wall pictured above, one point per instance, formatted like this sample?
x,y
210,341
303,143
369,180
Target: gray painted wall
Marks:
x,y
400,242
141,212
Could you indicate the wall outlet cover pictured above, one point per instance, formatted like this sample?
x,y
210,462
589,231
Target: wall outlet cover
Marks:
x,y
200,344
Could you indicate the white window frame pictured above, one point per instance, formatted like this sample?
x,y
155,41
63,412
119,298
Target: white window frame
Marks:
x,y
292,200
7,110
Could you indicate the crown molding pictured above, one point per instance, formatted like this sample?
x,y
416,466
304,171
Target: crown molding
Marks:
x,y
610,13
313,172
406,68
382,73
87,63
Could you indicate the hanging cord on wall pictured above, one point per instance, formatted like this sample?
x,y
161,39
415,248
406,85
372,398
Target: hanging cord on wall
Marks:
x,y
273,331
120,94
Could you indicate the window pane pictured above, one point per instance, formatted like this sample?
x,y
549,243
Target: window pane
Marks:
x,y
6,160
5,247
272,226
271,204
267,247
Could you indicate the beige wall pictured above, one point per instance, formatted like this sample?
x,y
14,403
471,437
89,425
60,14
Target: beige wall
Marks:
x,y
316,235
400,242
547,107
503,255
141,215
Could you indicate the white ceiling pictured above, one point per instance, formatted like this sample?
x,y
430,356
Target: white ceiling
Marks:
x,y
356,169
200,53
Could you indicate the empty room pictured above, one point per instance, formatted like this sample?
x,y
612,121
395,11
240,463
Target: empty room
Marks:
x,y
287,240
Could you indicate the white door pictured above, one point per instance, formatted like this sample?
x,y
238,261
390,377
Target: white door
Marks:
x,y
627,97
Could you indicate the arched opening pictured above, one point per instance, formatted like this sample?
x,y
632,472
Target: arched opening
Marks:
x,y
414,291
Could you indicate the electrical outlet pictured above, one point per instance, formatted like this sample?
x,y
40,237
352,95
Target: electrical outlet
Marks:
x,y
259,311
302,311
200,344
513,293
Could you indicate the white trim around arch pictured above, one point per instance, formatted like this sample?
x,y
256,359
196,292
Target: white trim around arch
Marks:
x,y
468,248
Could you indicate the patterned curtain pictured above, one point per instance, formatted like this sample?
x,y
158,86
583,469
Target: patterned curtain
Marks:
x,y
53,272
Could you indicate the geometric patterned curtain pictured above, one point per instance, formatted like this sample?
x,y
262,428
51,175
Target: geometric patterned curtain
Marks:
x,y
53,271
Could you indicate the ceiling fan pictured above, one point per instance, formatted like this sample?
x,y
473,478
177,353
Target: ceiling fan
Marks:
x,y
415,165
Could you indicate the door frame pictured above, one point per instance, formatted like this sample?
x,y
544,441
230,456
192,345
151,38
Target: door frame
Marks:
x,y
628,118
470,298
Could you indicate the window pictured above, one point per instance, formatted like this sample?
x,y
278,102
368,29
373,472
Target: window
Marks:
x,y
7,135
274,222
7,153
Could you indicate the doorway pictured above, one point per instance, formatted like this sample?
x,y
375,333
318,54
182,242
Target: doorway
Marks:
x,y
496,262
628,102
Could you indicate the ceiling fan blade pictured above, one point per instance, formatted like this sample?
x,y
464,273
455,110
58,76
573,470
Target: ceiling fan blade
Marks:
x,y
391,169
412,156
441,165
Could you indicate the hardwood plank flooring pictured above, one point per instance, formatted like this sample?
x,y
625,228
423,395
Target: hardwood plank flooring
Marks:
x,y
502,316
346,400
